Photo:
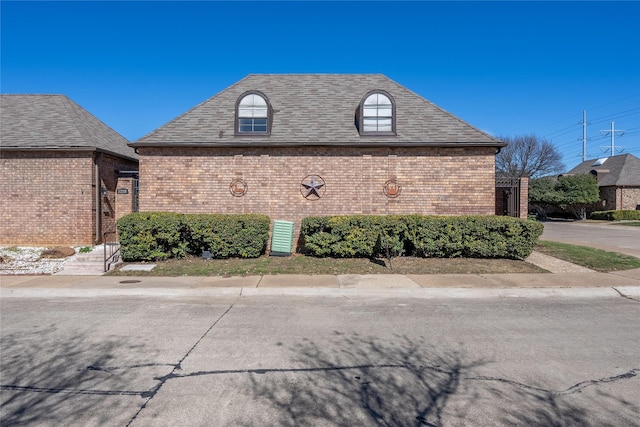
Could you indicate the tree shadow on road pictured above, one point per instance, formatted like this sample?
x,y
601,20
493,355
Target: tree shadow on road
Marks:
x,y
53,379
581,405
353,380
357,380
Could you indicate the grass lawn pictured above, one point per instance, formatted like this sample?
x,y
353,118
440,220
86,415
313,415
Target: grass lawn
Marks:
x,y
300,264
595,259
628,223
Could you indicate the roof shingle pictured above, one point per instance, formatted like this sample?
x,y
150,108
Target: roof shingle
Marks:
x,y
623,169
55,122
316,109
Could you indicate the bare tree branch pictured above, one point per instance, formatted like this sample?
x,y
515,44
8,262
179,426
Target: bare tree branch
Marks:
x,y
528,155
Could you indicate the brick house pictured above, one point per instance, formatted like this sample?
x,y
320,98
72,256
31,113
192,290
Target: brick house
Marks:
x,y
59,169
618,180
292,146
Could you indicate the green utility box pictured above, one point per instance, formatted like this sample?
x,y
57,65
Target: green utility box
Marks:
x,y
282,238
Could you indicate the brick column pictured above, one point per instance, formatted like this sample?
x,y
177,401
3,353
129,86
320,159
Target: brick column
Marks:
x,y
524,198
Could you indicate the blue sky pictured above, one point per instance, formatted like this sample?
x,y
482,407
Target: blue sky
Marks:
x,y
508,68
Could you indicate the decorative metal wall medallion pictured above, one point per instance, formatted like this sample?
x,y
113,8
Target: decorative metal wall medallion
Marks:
x,y
238,187
391,189
312,187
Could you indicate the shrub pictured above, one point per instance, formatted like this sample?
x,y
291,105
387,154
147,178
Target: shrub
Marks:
x,y
353,236
627,215
153,236
243,236
422,236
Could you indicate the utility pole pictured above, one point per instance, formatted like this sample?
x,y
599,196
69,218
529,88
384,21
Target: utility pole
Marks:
x,y
584,135
613,137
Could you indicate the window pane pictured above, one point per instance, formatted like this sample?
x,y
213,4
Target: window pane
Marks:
x,y
260,112
253,100
383,100
252,125
370,111
384,125
370,125
245,112
384,111
371,99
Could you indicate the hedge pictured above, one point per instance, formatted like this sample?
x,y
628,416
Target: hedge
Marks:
x,y
615,215
153,236
420,235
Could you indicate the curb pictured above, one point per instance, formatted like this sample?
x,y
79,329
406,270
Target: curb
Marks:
x,y
424,293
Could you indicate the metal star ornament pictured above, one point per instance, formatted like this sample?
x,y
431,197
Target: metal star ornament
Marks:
x,y
312,185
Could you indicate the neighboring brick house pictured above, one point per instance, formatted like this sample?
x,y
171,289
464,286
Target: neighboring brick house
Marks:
x,y
59,168
292,146
618,180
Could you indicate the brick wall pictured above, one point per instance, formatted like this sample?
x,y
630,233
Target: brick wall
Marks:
x,y
49,197
441,181
630,198
124,201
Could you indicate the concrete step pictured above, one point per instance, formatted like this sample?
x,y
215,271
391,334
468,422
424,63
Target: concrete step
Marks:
x,y
90,263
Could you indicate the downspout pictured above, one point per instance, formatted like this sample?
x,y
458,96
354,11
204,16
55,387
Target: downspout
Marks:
x,y
98,196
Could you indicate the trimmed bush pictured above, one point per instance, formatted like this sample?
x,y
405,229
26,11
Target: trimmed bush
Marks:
x,y
151,236
627,215
154,236
356,236
420,235
243,236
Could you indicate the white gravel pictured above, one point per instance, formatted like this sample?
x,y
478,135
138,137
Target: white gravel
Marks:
x,y
26,260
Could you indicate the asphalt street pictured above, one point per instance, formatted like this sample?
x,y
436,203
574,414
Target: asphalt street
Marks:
x,y
603,235
317,361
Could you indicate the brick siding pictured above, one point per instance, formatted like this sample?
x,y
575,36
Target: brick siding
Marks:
x,y
439,181
49,196
620,198
630,198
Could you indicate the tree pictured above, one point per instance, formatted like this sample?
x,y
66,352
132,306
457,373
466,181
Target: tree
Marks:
x,y
578,192
571,193
528,156
543,195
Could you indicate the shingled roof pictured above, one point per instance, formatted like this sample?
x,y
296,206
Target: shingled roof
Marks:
x,y
316,109
622,170
43,122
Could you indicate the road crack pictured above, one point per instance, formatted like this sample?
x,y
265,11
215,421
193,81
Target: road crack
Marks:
x,y
576,388
178,366
625,296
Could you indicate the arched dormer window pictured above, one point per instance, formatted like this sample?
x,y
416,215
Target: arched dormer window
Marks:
x,y
377,114
253,114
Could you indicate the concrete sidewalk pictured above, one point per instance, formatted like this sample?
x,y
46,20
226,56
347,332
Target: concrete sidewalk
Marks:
x,y
432,285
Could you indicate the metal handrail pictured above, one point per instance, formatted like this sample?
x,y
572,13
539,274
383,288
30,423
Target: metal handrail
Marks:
x,y
114,248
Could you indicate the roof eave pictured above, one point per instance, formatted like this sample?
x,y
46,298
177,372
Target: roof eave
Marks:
x,y
82,149
367,144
